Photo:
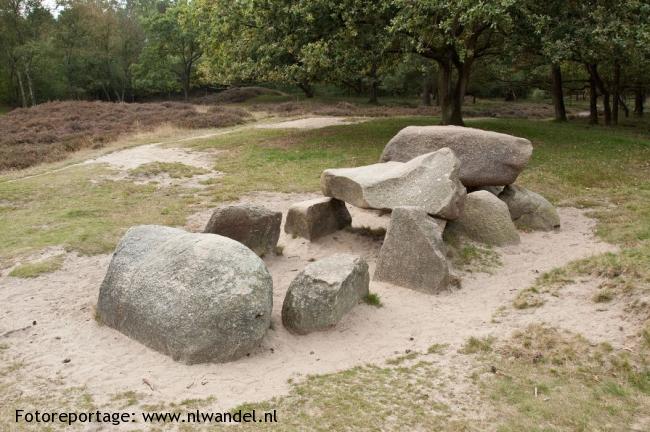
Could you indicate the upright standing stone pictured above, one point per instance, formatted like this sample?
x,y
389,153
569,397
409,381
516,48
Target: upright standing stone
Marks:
x,y
486,219
254,226
195,297
413,253
316,218
324,292
487,158
429,181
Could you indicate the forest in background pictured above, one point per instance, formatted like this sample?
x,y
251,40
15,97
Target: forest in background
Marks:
x,y
439,51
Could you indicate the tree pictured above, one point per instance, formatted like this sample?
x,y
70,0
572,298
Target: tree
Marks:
x,y
455,35
24,25
173,47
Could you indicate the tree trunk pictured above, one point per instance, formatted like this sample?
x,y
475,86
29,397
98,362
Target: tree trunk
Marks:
x,y
21,87
557,93
458,94
593,101
427,89
607,109
450,105
30,86
374,86
307,89
626,110
374,93
616,93
639,100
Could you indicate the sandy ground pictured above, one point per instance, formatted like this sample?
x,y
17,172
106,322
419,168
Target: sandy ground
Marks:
x,y
136,156
310,123
106,362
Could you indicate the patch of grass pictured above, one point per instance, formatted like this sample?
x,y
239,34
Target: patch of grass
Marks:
x,y
126,399
76,208
37,268
292,160
548,282
471,257
475,345
437,348
398,360
603,296
364,398
559,380
172,169
373,299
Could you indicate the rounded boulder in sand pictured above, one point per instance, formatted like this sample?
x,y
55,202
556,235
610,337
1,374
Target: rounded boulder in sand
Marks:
x,y
195,297
485,219
324,292
529,210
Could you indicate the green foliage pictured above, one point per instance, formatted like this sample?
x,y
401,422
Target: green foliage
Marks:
x,y
373,300
170,58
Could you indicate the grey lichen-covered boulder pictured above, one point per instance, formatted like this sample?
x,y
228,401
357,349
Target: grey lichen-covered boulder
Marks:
x,y
485,219
195,297
324,292
529,210
316,218
256,227
429,181
487,158
413,254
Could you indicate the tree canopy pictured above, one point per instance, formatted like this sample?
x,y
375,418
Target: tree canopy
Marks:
x,y
126,50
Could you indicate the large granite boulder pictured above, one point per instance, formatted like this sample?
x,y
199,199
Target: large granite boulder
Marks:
x,y
487,158
316,218
529,210
324,292
195,297
256,227
485,219
429,181
413,254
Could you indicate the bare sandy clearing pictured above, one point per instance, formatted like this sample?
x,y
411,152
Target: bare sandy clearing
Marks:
x,y
106,362
136,156
311,123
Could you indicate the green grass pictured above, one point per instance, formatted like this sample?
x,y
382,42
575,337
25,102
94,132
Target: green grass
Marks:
x,y
475,345
78,209
550,380
290,160
172,169
605,169
37,268
373,300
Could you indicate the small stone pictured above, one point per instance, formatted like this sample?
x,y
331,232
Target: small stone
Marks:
x,y
256,227
317,218
324,292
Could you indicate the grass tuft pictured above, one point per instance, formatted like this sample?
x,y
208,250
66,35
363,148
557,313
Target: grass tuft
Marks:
x,y
172,169
373,300
38,268
474,345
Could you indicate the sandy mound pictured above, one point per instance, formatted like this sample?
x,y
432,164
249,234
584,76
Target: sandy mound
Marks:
x,y
107,362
